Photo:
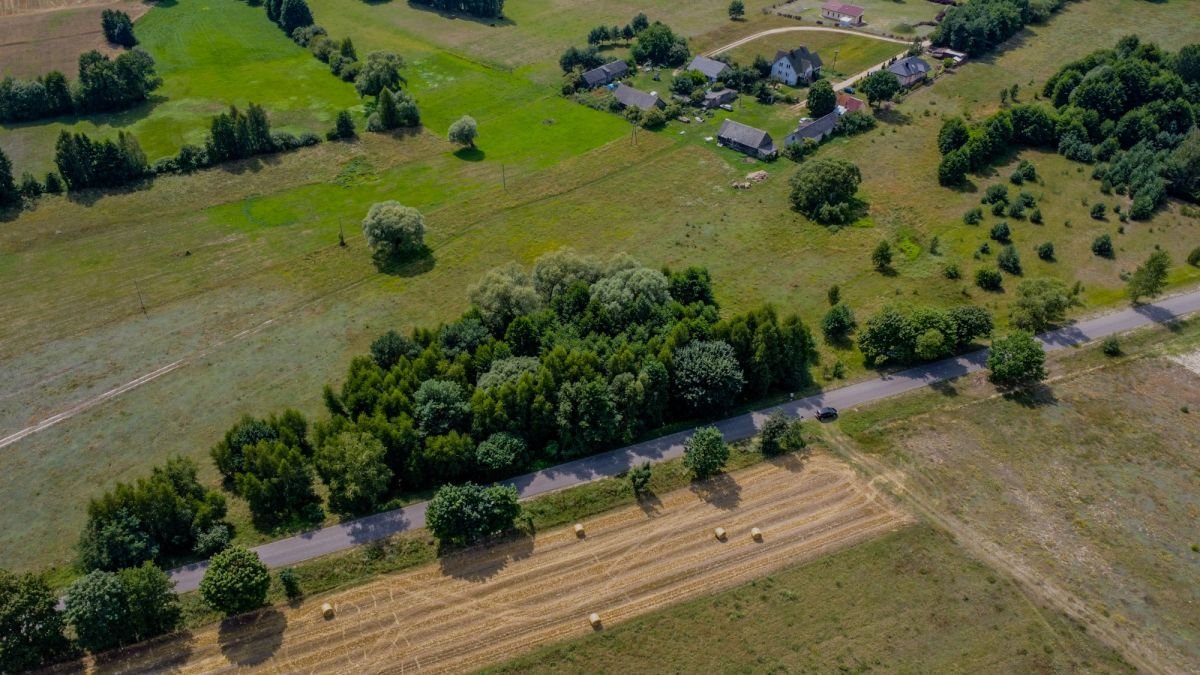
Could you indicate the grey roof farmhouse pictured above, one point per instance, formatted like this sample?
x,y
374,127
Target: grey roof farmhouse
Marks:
x,y
628,96
746,139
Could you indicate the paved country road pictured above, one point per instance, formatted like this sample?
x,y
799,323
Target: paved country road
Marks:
x,y
353,533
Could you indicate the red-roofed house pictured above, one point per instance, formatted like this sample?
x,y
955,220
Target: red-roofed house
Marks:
x,y
842,12
850,103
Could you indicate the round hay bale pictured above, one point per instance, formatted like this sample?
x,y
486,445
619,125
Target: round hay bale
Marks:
x,y
719,533
756,534
327,611
578,529
594,619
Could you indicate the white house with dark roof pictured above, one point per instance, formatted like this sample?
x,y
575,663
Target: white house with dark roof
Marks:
x,y
711,68
746,140
843,12
798,66
910,70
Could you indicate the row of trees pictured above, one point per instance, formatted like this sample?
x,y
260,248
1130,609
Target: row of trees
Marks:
x,y
490,9
602,34
85,163
104,85
654,43
564,360
1132,108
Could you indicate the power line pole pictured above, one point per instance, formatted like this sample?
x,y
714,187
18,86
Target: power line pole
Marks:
x,y
139,294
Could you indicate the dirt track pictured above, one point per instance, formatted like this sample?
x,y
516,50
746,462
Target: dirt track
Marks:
x,y
482,607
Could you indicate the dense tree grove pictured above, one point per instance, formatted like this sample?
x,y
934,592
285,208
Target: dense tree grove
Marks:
x,y
104,85
155,518
236,135
906,335
32,630
84,163
110,609
8,187
1130,108
564,360
117,27
976,27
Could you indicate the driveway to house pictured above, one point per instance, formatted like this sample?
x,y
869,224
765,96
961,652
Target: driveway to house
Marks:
x,y
357,532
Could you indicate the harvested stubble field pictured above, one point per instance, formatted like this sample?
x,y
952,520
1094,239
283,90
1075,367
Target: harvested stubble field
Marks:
x,y
485,605
36,42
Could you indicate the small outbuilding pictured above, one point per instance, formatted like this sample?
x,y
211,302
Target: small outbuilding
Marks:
x,y
715,98
814,130
746,139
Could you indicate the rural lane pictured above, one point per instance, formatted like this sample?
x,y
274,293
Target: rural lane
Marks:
x,y
363,530
802,29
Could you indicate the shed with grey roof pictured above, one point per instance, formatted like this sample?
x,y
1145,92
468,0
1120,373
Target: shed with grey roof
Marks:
x,y
746,139
628,96
711,68
609,72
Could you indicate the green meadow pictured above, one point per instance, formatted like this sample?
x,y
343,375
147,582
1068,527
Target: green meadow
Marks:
x,y
244,284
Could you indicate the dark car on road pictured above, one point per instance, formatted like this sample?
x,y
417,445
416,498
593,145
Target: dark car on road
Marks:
x,y
827,413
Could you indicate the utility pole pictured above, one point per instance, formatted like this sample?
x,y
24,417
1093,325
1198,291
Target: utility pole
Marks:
x,y
835,55
139,294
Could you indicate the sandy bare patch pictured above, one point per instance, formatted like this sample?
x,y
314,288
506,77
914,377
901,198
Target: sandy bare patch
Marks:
x,y
1191,361
485,606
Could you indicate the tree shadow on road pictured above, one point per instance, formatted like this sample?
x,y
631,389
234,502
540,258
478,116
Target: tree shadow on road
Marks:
x,y
252,639
721,490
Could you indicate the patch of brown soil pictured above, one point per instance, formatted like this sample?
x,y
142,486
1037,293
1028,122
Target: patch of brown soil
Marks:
x,y
37,36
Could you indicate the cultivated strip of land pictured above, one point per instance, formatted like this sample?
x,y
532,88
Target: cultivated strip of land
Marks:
x,y
483,606
357,532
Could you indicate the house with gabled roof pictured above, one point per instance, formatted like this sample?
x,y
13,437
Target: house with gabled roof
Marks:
x,y
843,12
746,140
609,72
798,66
628,96
711,68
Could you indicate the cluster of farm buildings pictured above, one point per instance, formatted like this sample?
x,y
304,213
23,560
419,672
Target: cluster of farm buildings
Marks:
x,y
796,67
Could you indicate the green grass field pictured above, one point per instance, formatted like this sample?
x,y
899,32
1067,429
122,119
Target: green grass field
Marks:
x,y
243,280
210,54
853,54
1090,487
908,602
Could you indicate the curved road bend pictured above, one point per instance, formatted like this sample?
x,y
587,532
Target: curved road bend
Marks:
x,y
354,533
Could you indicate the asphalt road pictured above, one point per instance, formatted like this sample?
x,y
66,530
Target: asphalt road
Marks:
x,y
354,533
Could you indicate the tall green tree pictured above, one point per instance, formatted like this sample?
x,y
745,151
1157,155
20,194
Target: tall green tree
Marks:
x,y
823,189
821,99
8,187
276,482
294,14
880,86
97,607
236,581
394,228
354,466
737,9
1016,360
380,71
464,514
1150,278
705,452
31,627
464,131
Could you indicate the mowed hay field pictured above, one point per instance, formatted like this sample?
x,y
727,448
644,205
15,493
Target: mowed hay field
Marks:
x,y
909,602
1090,485
487,604
252,306
854,54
